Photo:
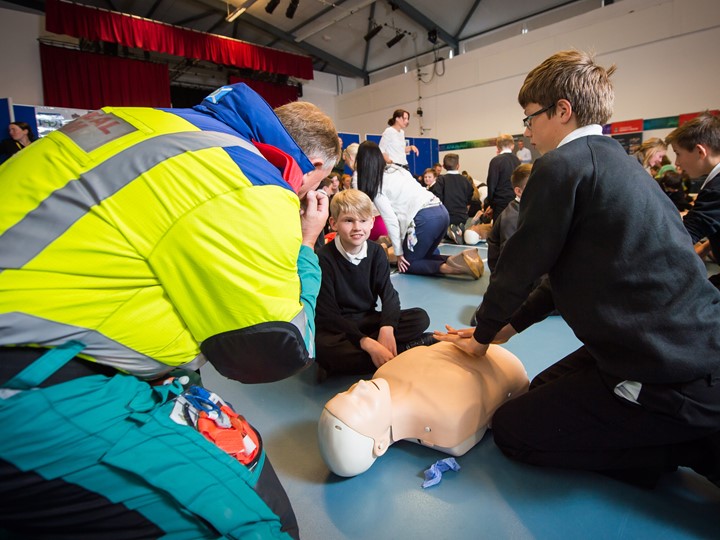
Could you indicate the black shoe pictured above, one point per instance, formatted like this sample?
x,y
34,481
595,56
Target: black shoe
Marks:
x,y
426,339
455,233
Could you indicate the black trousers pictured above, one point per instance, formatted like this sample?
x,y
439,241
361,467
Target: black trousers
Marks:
x,y
571,418
339,356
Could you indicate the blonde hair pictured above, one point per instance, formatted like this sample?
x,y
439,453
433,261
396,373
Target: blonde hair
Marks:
x,y
350,152
353,202
574,76
312,130
505,141
649,148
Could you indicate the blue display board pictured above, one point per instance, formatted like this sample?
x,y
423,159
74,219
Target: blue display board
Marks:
x,y
428,156
26,113
347,139
5,119
4,115
429,153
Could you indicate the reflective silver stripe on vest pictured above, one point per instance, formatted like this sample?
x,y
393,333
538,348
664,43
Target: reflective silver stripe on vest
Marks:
x,y
23,329
300,321
57,213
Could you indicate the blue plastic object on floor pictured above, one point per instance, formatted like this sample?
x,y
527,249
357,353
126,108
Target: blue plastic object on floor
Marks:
x,y
434,474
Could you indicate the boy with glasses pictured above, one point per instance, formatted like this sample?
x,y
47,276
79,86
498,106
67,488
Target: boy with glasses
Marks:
x,y
642,395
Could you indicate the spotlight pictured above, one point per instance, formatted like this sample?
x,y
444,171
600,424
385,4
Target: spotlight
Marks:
x,y
374,31
290,13
271,5
394,41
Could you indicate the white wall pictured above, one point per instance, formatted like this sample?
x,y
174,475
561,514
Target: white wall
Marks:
x,y
20,62
324,89
665,51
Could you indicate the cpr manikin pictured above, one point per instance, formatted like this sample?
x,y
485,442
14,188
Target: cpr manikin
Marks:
x,y
436,396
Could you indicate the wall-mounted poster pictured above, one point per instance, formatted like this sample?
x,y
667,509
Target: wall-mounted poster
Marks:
x,y
630,141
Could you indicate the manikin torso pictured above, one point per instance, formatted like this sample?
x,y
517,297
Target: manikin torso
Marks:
x,y
436,396
428,390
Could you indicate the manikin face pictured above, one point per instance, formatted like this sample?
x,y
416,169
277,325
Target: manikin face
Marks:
x,y
689,161
429,179
366,407
364,395
352,230
16,133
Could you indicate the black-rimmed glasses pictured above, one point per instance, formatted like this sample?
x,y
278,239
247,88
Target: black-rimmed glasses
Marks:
x,y
527,121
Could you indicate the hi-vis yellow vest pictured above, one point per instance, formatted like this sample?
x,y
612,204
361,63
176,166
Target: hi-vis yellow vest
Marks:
x,y
141,235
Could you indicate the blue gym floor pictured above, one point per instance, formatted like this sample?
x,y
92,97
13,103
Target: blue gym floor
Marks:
x,y
491,497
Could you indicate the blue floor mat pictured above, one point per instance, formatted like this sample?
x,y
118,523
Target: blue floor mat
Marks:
x,y
490,497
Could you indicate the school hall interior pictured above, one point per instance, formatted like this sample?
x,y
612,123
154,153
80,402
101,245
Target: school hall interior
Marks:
x,y
490,496
665,54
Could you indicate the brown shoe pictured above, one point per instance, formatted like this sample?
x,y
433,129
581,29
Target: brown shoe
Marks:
x,y
390,253
467,262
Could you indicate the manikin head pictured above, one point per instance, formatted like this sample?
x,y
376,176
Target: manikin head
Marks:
x,y
350,446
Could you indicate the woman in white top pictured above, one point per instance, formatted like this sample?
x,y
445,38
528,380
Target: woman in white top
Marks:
x,y
392,143
415,219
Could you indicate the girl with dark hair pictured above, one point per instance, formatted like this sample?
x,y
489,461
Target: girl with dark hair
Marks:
x,y
415,218
21,135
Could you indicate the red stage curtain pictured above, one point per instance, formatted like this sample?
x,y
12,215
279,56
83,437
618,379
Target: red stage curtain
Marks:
x,y
275,94
63,17
84,80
